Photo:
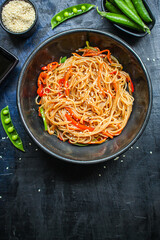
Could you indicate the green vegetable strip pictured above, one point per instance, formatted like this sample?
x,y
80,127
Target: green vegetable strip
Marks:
x,y
142,11
10,130
121,20
130,5
111,8
44,119
70,12
129,13
62,60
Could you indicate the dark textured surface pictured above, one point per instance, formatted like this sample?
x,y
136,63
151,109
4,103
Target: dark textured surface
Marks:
x,y
44,198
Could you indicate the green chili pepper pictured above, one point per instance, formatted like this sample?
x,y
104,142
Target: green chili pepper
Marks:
x,y
62,60
44,119
130,5
120,19
129,13
111,8
69,13
139,6
9,129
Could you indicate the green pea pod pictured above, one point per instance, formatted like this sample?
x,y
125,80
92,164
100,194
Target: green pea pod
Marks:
x,y
9,129
130,5
142,11
130,14
121,20
111,8
44,118
70,12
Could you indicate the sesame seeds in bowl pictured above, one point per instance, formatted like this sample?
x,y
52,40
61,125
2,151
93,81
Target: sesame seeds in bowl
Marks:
x,y
18,17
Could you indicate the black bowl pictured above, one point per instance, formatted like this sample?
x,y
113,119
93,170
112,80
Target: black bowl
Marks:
x,y
64,44
30,30
132,31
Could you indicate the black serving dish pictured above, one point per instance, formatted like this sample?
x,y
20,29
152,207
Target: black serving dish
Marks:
x,y
132,31
26,33
63,44
7,62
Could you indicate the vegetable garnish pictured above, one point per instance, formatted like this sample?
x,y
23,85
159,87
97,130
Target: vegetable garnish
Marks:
x,y
62,60
10,129
70,12
44,119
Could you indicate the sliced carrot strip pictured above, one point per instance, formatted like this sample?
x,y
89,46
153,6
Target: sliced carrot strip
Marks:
x,y
77,124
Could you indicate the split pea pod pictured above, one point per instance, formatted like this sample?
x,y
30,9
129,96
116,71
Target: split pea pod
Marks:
x,y
130,14
10,129
70,12
120,19
111,8
142,11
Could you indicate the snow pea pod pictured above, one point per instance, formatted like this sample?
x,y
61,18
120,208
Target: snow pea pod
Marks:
x,y
70,12
130,5
142,11
120,19
10,129
130,14
111,8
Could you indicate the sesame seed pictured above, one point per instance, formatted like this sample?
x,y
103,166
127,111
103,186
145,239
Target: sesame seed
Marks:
x,y
150,152
104,166
121,160
7,168
147,59
39,190
154,60
115,159
19,159
99,175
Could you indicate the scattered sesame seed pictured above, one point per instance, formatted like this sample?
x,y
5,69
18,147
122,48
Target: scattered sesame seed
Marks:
x,y
124,155
116,158
36,149
122,160
137,147
0,196
20,159
147,59
39,190
154,60
7,168
3,138
150,152
99,175
30,143
131,147
104,166
0,156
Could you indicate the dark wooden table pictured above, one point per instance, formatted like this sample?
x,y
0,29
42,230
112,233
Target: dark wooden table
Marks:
x,y
44,198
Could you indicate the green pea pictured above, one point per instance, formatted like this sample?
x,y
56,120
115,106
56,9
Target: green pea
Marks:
x,y
75,10
66,14
10,129
83,8
58,18
7,120
5,112
14,137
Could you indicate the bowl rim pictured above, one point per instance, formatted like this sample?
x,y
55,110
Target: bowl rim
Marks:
x,y
19,33
125,45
